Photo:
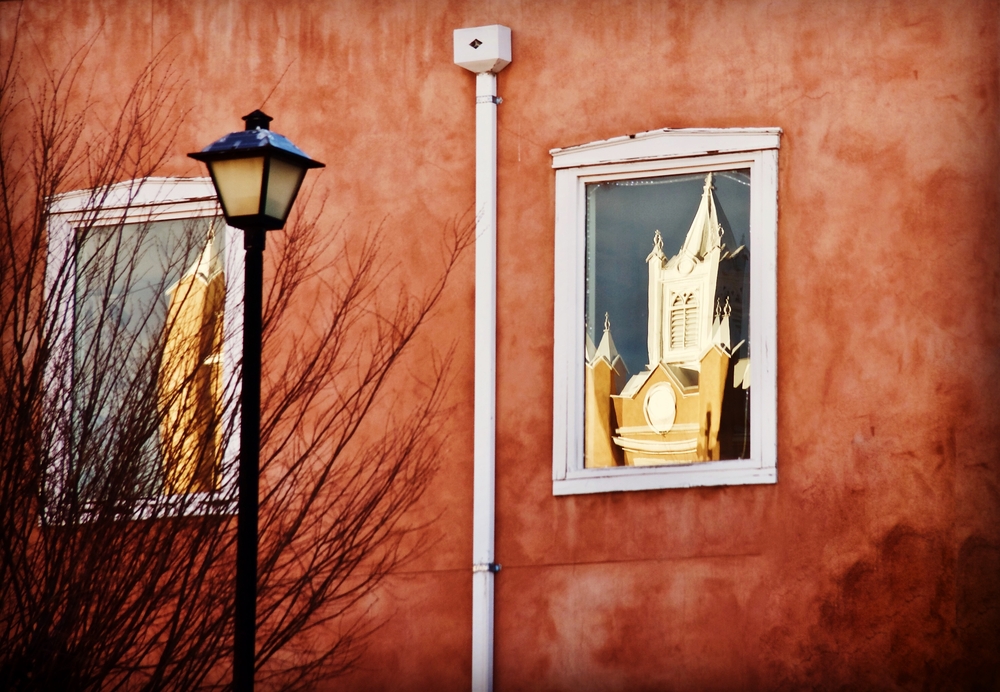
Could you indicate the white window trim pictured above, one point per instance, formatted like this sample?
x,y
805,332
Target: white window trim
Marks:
x,y
662,152
140,201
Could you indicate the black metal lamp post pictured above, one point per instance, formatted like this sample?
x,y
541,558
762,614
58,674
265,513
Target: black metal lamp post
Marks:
x,y
257,174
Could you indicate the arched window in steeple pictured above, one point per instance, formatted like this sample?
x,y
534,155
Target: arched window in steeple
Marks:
x,y
684,321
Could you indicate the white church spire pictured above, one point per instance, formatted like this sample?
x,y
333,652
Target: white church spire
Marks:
x,y
705,233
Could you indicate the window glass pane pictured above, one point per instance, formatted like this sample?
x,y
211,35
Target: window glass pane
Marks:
x,y
667,319
147,366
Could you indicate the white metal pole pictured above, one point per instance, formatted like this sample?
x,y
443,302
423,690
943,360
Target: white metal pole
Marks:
x,y
484,50
484,446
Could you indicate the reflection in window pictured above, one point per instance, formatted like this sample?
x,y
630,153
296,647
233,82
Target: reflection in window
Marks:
x,y
667,261
147,366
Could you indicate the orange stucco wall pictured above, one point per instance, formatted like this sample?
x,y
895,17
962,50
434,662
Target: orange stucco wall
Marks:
x,y
875,560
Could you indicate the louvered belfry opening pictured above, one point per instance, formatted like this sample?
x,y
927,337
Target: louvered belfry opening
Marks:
x,y
683,321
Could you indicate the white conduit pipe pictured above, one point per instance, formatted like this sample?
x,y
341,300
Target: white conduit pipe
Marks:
x,y
484,445
485,51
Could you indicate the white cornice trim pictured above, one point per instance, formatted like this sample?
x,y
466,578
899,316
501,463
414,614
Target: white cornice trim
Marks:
x,y
667,143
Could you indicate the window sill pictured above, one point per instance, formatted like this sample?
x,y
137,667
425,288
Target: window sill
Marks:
x,y
619,479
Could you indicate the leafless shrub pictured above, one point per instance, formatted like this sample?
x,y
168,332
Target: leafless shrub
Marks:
x,y
112,574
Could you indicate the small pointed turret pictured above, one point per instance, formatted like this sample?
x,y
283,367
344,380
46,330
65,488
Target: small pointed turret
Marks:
x,y
657,251
606,348
591,349
720,326
604,377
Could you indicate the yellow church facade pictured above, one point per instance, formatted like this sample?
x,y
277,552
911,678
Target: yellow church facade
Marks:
x,y
190,376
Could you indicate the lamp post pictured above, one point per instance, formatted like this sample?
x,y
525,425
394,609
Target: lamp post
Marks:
x,y
257,174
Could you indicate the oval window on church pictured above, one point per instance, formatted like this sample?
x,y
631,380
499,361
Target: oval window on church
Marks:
x,y
660,407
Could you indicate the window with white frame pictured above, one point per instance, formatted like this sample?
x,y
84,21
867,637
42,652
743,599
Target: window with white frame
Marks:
x,y
665,293
144,285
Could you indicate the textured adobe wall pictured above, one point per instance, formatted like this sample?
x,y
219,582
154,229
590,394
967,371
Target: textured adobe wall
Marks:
x,y
874,561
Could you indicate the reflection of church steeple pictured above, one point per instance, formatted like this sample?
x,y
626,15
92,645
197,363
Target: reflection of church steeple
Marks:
x,y
605,375
682,289
189,382
672,410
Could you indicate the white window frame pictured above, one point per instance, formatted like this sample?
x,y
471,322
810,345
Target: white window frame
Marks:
x,y
141,201
663,152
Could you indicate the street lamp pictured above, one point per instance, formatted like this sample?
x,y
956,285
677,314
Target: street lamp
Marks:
x,y
257,174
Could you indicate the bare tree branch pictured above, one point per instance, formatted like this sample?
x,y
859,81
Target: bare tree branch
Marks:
x,y
110,576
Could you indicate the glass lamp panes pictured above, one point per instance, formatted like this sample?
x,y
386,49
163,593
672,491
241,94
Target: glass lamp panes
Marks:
x,y
239,182
283,180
